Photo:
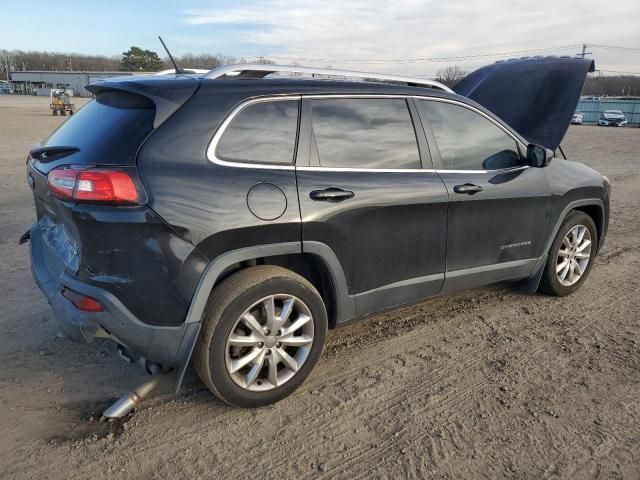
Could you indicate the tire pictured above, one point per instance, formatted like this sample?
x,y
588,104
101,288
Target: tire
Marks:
x,y
55,113
552,281
63,113
270,377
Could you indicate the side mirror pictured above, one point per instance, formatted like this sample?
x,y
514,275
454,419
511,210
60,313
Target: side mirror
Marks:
x,y
538,156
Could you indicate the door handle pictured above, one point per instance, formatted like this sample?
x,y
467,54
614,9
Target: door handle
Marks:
x,y
468,188
331,194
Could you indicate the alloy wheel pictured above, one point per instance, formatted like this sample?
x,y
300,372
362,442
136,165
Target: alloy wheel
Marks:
x,y
269,343
574,255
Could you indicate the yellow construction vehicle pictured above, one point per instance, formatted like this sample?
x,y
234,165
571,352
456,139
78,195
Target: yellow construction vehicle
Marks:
x,y
60,102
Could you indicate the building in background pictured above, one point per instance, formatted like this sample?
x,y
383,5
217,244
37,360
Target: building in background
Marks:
x,y
41,82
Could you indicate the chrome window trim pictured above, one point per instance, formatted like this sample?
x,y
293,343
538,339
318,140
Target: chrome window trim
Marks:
x,y
497,171
420,97
496,123
212,157
213,145
316,96
351,169
476,110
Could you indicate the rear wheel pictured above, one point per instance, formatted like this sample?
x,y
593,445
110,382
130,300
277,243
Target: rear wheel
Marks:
x,y
263,333
571,255
54,113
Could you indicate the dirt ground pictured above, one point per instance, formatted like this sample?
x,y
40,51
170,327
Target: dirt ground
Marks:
x,y
489,383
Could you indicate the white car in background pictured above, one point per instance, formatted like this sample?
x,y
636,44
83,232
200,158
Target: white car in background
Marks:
x,y
614,118
577,118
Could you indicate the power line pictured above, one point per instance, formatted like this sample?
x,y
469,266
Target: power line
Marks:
x,y
613,47
618,71
425,59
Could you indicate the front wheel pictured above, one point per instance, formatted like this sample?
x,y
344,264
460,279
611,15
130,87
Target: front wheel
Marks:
x,y
263,332
571,255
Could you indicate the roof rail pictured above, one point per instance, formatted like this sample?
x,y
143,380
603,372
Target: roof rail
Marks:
x,y
254,71
171,71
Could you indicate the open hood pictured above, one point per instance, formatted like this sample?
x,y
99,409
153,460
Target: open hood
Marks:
x,y
535,96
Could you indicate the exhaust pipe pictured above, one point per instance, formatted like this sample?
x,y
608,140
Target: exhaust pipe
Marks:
x,y
125,404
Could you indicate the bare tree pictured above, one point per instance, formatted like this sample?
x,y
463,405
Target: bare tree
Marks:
x,y
19,60
450,75
619,85
6,62
201,60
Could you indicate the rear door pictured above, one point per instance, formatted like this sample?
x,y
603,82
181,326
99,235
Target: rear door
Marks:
x,y
365,194
498,206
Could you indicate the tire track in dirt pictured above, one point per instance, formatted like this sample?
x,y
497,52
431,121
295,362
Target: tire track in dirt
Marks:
x,y
425,379
451,406
390,401
460,407
392,404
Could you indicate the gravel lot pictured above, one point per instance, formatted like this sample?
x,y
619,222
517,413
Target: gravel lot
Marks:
x,y
489,383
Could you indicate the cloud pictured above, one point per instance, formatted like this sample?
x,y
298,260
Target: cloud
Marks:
x,y
381,35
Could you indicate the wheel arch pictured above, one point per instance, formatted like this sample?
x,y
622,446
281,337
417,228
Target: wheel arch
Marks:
x,y
596,212
590,206
594,207
313,260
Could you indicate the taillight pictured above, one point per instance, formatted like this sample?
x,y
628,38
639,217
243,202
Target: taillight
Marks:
x,y
99,185
82,302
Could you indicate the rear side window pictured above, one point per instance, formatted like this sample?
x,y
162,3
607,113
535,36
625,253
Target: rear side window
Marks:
x,y
107,130
467,140
264,132
364,133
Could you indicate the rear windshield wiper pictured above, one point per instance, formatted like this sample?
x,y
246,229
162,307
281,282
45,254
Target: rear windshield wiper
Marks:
x,y
47,154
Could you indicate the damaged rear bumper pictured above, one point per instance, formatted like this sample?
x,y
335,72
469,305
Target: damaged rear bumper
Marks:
x,y
163,345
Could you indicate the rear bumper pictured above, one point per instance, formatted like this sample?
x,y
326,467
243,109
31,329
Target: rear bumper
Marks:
x,y
159,344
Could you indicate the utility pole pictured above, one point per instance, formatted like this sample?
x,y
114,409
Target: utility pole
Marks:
x,y
584,51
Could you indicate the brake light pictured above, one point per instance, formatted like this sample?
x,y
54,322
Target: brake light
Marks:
x,y
95,185
82,302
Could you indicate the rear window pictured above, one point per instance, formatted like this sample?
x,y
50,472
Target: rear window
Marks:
x,y
107,130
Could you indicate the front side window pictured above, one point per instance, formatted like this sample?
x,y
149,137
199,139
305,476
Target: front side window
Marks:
x,y
467,140
364,133
264,132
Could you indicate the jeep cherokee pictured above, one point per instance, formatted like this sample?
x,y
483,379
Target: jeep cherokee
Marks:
x,y
228,219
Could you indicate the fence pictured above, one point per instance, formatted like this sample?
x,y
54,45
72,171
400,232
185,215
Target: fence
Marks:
x,y
592,108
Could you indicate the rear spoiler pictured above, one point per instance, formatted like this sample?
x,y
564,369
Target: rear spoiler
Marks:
x,y
168,93
535,96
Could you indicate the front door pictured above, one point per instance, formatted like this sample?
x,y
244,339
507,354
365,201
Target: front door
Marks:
x,y
498,206
364,194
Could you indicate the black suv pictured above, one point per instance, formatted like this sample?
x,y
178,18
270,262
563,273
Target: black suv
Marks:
x,y
229,219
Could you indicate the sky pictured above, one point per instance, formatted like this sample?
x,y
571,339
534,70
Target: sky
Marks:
x,y
403,36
